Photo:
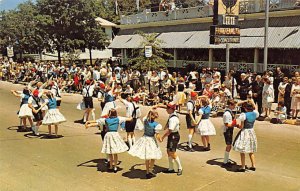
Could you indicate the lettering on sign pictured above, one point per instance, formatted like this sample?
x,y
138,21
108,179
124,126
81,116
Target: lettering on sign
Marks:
x,y
227,31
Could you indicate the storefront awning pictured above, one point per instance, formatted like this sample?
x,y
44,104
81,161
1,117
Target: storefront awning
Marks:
x,y
279,37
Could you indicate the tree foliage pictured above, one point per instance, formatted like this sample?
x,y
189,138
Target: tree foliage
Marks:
x,y
157,60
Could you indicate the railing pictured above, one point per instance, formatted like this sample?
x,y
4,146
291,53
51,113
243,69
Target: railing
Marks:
x,y
177,14
246,6
238,66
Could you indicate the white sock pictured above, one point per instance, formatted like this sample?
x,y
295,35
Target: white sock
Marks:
x,y
133,140
130,142
226,157
93,115
84,117
177,160
171,163
190,137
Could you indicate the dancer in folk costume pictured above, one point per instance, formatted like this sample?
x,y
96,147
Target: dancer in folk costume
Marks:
x,y
191,109
34,103
205,126
245,141
229,124
109,100
146,148
113,144
53,115
56,92
87,93
25,112
40,88
132,111
172,132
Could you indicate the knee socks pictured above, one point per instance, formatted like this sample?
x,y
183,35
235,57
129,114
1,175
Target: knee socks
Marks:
x,y
177,160
190,137
226,157
171,163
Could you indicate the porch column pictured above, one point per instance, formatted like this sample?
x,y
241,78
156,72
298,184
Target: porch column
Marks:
x,y
210,57
256,59
125,56
175,58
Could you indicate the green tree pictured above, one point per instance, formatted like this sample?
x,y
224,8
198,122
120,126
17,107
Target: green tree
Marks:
x,y
18,28
157,60
93,35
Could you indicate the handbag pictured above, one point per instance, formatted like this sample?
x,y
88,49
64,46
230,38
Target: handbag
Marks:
x,y
81,106
270,99
139,125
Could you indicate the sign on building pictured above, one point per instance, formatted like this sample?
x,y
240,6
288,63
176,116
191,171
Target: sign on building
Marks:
x,y
225,28
148,51
10,52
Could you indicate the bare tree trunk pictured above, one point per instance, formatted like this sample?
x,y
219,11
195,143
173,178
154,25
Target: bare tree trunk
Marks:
x,y
91,59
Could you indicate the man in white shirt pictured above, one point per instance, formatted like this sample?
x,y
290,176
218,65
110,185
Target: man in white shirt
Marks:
x,y
87,93
229,122
132,111
172,132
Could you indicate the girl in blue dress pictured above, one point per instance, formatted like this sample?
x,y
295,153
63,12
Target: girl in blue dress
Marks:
x,y
146,148
205,126
113,144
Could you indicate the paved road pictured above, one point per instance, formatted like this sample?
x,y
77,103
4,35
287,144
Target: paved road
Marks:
x,y
74,162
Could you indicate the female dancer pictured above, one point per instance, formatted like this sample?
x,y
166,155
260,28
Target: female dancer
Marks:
x,y
205,127
53,115
25,112
113,144
146,147
245,141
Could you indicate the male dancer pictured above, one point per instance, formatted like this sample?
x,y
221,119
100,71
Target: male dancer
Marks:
x,y
191,109
229,123
172,132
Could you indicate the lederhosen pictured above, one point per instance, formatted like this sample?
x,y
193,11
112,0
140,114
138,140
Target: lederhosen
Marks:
x,y
58,102
173,138
130,125
88,100
228,134
39,115
188,117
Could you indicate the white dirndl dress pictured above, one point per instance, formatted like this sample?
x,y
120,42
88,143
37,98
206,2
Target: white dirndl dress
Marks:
x,y
245,141
146,148
25,111
53,117
113,143
205,127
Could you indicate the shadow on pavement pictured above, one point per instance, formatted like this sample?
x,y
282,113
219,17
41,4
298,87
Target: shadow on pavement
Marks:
x,y
134,173
196,147
31,135
47,136
95,163
80,121
19,129
219,162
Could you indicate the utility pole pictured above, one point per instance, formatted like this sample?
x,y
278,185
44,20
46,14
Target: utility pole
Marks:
x,y
266,42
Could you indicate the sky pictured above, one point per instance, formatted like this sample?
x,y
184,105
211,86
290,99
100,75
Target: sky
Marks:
x,y
9,4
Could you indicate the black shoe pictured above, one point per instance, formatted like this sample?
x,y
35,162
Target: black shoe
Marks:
x,y
252,168
110,170
179,173
115,169
241,170
226,165
168,171
208,147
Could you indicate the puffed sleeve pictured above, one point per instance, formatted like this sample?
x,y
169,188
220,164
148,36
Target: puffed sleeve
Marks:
x,y
200,112
158,128
242,117
122,120
101,121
